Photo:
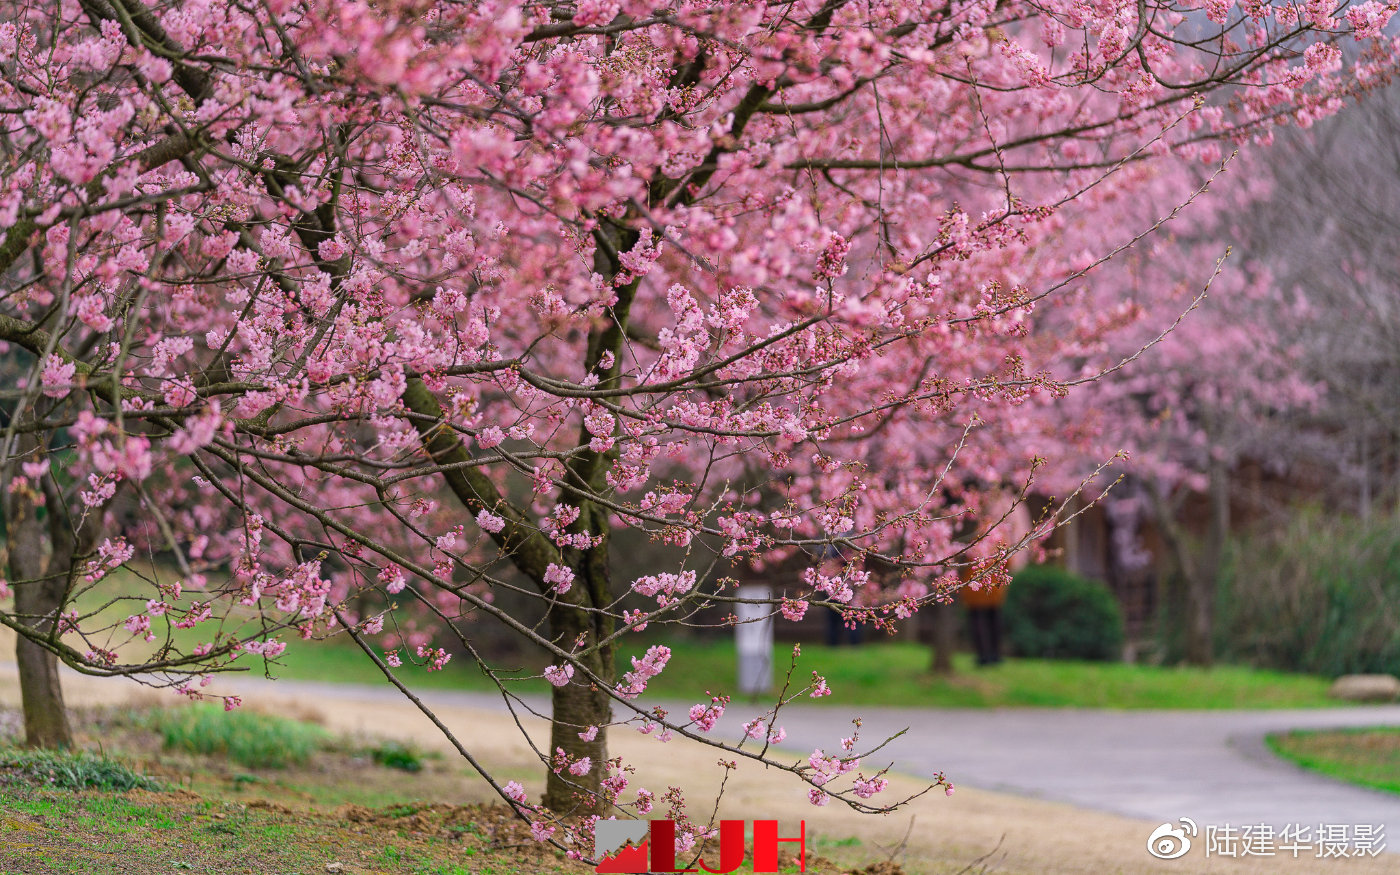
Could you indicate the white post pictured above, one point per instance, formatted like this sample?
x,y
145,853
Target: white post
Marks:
x,y
753,640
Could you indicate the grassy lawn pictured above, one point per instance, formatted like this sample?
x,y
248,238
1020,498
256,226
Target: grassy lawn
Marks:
x,y
143,831
148,832
47,831
894,674
1369,757
885,673
191,800
156,802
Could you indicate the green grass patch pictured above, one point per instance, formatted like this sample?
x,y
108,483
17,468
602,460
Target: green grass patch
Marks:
x,y
70,770
896,674
257,741
68,833
397,755
881,673
80,813
1368,757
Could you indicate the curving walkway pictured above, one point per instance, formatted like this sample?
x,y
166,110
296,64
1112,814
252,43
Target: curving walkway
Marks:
x,y
1210,766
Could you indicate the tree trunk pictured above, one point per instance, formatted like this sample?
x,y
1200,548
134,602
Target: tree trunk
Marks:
x,y
909,629
577,706
1199,570
1201,589
945,637
1199,643
39,593
45,716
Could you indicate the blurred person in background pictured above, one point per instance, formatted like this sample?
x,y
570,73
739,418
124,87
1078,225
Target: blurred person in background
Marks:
x,y
984,603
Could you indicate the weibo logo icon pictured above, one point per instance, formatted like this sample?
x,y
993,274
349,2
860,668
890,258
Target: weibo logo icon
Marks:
x,y
1168,842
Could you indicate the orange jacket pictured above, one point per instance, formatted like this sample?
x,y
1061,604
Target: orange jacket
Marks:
x,y
1016,526
985,597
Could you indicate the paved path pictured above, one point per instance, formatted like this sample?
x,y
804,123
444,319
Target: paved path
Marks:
x,y
1211,766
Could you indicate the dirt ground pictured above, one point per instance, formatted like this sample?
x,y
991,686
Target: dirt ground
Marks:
x,y
973,830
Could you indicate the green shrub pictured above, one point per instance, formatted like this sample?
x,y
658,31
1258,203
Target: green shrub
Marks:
x,y
70,770
1054,614
394,755
258,741
1320,596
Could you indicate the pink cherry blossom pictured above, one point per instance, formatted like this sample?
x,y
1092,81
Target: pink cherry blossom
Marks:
x,y
57,376
559,675
560,576
489,522
541,831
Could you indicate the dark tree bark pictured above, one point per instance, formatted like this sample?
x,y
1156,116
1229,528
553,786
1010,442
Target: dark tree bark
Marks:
x,y
1201,589
577,706
1199,566
39,574
945,637
581,626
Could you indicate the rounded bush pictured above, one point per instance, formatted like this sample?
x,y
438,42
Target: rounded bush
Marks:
x,y
1052,613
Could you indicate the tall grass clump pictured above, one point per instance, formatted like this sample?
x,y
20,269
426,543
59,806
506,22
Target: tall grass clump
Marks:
x,y
70,770
1321,595
258,741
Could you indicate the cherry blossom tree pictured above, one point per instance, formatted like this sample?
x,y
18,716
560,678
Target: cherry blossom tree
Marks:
x,y
1223,388
429,299
1318,224
1282,366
